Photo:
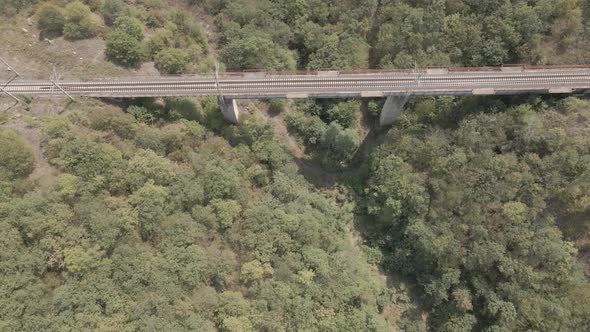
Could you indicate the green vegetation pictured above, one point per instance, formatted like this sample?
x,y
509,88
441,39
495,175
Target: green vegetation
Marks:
x,y
80,23
207,233
469,211
474,213
123,48
17,157
123,44
171,60
112,9
276,106
50,19
129,25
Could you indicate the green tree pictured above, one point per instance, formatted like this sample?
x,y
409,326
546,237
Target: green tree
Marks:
x,y
130,25
123,48
345,113
110,119
310,128
340,143
141,113
277,106
171,60
16,156
112,9
150,203
254,52
80,260
50,19
227,211
80,23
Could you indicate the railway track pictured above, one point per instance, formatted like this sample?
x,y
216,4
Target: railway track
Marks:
x,y
321,84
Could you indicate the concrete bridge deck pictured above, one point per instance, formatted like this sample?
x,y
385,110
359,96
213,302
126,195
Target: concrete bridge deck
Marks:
x,y
327,84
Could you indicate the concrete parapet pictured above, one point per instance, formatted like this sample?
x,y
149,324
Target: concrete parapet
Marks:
x,y
560,90
439,71
328,73
512,68
484,92
297,95
372,94
392,108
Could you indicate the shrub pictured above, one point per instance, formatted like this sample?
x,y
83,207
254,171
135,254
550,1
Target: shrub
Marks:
x,y
106,119
80,23
184,108
277,105
310,127
141,113
255,52
131,26
111,10
16,157
171,60
344,113
76,11
340,143
159,41
123,48
50,19
572,104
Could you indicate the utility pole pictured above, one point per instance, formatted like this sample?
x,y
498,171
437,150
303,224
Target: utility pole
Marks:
x,y
55,77
3,87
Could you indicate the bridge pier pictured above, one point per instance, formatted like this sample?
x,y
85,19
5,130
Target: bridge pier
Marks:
x,y
392,109
229,109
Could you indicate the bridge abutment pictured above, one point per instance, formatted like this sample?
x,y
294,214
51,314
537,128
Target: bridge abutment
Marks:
x,y
229,109
392,109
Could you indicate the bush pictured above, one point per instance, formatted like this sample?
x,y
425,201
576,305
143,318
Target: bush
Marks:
x,y
80,23
171,60
141,113
184,108
277,106
131,26
16,157
50,19
572,104
159,41
344,113
76,11
255,52
310,127
123,48
340,143
112,9
107,119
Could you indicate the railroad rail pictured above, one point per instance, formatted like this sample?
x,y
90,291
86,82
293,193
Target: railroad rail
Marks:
x,y
327,84
397,85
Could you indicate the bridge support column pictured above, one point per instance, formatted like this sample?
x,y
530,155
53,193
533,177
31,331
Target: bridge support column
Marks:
x,y
392,109
229,109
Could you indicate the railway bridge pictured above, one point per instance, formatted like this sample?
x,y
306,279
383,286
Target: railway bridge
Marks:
x,y
397,86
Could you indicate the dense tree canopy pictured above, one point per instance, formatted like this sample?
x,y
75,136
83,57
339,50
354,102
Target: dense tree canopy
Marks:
x,y
158,215
193,234
470,212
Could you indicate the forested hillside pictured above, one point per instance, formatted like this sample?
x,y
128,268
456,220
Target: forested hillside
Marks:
x,y
470,209
172,228
469,214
